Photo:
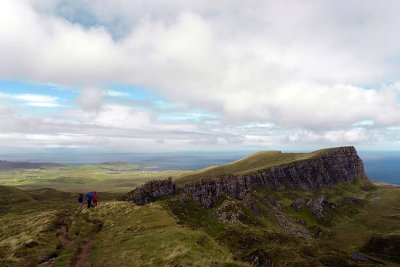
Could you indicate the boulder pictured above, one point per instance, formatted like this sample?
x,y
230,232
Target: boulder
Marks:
x,y
319,205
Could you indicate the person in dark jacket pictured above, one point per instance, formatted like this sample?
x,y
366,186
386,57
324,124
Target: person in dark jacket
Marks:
x,y
80,200
89,198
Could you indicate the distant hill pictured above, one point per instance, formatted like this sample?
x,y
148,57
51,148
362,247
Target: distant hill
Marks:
x,y
253,163
11,165
11,195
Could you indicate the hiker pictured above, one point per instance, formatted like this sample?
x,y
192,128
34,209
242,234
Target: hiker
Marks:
x,y
80,200
95,199
89,198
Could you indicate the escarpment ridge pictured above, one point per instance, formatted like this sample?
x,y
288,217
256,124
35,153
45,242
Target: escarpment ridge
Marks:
x,y
321,169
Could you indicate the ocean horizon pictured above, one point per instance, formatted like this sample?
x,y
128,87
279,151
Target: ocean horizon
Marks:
x,y
379,165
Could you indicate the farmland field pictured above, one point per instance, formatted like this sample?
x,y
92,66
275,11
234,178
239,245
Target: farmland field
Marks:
x,y
116,177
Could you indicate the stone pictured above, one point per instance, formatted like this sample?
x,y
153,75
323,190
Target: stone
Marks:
x,y
152,191
229,212
319,205
298,204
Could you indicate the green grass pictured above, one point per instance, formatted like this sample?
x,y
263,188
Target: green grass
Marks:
x,y
114,178
27,237
181,233
11,195
250,164
151,236
380,216
385,246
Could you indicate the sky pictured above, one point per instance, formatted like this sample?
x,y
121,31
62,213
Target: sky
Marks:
x,y
163,76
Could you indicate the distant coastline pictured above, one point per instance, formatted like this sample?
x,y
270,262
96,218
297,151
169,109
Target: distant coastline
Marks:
x,y
385,184
382,167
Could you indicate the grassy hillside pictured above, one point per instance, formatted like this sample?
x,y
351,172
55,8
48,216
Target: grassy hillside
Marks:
x,y
51,232
10,195
151,236
42,227
252,163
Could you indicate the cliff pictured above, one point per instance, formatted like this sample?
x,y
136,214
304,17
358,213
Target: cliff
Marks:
x,y
153,190
321,169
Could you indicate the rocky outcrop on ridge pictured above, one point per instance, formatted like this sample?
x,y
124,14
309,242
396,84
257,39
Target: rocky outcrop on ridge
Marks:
x,y
152,191
322,171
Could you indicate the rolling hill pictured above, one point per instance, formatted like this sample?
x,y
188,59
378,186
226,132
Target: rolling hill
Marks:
x,y
13,165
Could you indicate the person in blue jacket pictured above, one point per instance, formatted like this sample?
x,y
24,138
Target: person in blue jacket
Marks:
x,y
89,198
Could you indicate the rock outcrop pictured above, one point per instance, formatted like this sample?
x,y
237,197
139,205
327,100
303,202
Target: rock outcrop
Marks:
x,y
229,212
322,171
298,204
319,205
152,191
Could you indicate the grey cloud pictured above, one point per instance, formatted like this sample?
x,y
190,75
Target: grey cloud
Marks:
x,y
91,98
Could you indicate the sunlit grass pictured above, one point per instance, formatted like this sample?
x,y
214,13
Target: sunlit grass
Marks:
x,y
98,177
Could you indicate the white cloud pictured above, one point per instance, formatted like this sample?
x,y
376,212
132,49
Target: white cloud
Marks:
x,y
282,67
34,100
310,71
347,136
114,93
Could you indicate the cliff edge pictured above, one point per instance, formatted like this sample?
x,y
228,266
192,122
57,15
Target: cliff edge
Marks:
x,y
321,169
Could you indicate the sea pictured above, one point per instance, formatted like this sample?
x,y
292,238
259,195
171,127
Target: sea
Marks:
x,y
379,165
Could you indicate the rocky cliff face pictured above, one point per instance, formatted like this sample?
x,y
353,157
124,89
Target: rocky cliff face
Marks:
x,y
322,171
152,191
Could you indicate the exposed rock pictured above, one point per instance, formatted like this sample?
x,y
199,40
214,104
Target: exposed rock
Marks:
x,y
289,225
320,172
248,199
300,221
271,201
298,204
318,206
183,197
205,192
229,212
152,191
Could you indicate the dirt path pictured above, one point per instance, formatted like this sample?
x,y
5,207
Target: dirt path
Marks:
x,y
82,256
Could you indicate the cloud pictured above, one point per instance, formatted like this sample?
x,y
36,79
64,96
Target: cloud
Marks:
x,y
34,100
91,99
293,65
347,136
111,127
316,71
114,93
